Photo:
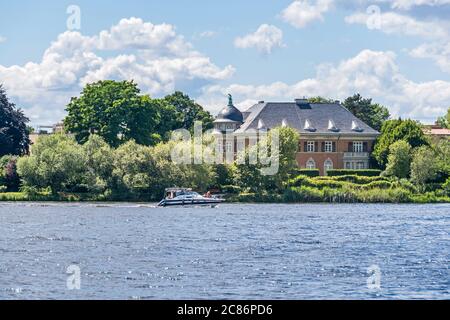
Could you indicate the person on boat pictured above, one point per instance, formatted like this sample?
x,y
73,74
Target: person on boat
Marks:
x,y
207,195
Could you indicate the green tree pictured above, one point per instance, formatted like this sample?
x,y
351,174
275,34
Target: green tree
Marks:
x,y
320,99
116,112
14,138
57,162
399,160
188,111
395,130
250,176
134,169
99,163
372,114
442,154
424,166
444,121
8,173
145,171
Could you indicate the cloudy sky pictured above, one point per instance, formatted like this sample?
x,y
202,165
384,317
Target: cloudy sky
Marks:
x,y
397,52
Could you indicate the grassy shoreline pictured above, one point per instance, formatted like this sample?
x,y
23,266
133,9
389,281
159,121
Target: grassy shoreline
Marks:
x,y
375,196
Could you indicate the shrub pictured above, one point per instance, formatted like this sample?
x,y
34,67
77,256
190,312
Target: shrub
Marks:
x,y
303,194
354,179
346,172
258,197
399,160
446,187
3,189
375,185
231,189
307,172
8,173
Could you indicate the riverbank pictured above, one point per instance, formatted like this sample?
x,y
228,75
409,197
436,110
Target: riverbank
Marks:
x,y
300,195
301,189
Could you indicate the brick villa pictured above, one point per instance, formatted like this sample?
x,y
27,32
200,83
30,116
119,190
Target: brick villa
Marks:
x,y
331,137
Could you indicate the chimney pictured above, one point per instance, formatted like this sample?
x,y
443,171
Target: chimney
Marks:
x,y
301,101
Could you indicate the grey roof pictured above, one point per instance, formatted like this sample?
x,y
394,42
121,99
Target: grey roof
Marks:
x,y
317,114
230,112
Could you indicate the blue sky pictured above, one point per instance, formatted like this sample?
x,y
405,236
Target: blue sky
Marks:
x,y
399,54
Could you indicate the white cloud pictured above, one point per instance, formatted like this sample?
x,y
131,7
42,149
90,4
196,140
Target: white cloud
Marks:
x,y
302,12
208,34
408,4
434,32
264,39
394,23
439,52
2,39
374,74
155,56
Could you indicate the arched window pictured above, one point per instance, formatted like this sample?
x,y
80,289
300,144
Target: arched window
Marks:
x,y
328,165
310,164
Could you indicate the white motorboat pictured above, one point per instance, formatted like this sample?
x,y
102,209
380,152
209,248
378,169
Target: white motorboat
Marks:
x,y
185,196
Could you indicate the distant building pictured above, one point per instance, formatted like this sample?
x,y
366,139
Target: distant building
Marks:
x,y
436,131
45,130
331,137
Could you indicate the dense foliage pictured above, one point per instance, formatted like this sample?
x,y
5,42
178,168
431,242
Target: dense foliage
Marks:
x,y
372,114
9,179
444,121
13,129
187,111
345,172
131,171
399,160
118,113
392,131
251,177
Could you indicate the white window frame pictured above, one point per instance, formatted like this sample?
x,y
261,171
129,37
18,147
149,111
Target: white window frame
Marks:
x,y
360,165
310,146
328,146
310,164
229,146
358,146
328,165
219,146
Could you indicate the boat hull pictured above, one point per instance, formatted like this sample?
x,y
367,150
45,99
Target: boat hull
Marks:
x,y
189,202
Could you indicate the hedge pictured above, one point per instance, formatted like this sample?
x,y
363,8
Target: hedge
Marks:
x,y
307,172
346,172
353,179
231,189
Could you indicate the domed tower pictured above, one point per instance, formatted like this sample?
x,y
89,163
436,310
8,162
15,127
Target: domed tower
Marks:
x,y
229,119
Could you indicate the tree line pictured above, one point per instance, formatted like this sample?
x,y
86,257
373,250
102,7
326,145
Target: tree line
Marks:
x,y
119,145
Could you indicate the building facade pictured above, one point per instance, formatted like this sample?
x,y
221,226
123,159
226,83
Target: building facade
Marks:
x,y
436,132
331,137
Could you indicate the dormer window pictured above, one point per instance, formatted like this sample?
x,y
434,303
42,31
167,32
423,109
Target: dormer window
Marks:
x,y
261,125
308,126
332,126
356,127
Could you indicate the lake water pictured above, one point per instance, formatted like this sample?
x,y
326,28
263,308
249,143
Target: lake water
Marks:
x,y
132,251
